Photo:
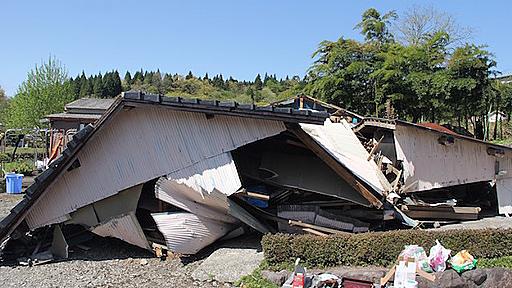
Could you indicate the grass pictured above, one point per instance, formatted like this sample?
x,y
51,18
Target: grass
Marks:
x,y
255,280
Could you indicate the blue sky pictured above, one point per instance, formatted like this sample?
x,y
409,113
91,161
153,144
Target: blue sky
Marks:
x,y
238,38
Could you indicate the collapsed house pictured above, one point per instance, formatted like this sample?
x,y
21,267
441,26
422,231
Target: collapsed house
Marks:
x,y
182,173
179,174
440,174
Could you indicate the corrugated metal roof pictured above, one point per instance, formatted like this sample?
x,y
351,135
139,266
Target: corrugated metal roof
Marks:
x,y
339,140
74,147
129,152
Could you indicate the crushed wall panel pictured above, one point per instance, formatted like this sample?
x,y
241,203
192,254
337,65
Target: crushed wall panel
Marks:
x,y
126,228
187,233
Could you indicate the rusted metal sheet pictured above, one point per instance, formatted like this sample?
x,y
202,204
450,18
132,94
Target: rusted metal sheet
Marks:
x,y
429,164
125,227
140,144
187,233
341,142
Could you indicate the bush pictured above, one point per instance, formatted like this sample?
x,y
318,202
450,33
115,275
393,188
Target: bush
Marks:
x,y
4,157
21,167
379,248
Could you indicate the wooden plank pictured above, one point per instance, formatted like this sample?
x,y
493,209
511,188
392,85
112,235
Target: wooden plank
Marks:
x,y
428,276
315,227
314,232
254,195
388,276
375,148
432,212
341,170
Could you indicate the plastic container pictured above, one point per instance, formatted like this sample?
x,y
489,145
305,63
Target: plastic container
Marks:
x,y
13,183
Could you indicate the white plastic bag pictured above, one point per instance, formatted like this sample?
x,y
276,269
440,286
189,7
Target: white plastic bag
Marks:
x,y
438,257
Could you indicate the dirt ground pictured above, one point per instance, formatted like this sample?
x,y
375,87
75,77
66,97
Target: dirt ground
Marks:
x,y
108,263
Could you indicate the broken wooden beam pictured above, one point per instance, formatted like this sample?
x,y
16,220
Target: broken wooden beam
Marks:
x,y
341,170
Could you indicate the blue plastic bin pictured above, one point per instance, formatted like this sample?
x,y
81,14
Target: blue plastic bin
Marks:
x,y
13,183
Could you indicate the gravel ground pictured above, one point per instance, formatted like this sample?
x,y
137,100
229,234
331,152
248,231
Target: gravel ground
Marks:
x,y
7,202
109,263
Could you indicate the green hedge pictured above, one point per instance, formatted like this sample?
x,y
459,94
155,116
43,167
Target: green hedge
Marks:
x,y
379,248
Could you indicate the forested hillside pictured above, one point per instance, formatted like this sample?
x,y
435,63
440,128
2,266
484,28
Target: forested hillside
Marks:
x,y
262,90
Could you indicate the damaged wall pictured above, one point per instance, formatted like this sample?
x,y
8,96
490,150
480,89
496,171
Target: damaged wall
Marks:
x,y
140,144
429,164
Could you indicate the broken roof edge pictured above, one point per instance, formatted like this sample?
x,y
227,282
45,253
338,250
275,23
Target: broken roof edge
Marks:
x,y
456,135
313,99
230,108
391,123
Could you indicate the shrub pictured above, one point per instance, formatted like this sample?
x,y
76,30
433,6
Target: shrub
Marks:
x,y
379,248
4,157
21,167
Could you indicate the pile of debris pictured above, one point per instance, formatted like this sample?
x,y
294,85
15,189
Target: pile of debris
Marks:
x,y
168,173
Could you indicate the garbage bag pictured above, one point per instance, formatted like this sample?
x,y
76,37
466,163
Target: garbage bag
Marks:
x,y
463,261
438,256
418,254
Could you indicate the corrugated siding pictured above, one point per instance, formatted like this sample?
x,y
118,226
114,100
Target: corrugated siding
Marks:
x,y
142,144
126,228
340,141
212,205
187,233
429,165
218,172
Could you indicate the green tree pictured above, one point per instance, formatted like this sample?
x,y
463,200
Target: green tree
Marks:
x,y
45,91
86,89
341,74
375,27
470,67
97,86
127,81
258,84
3,105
